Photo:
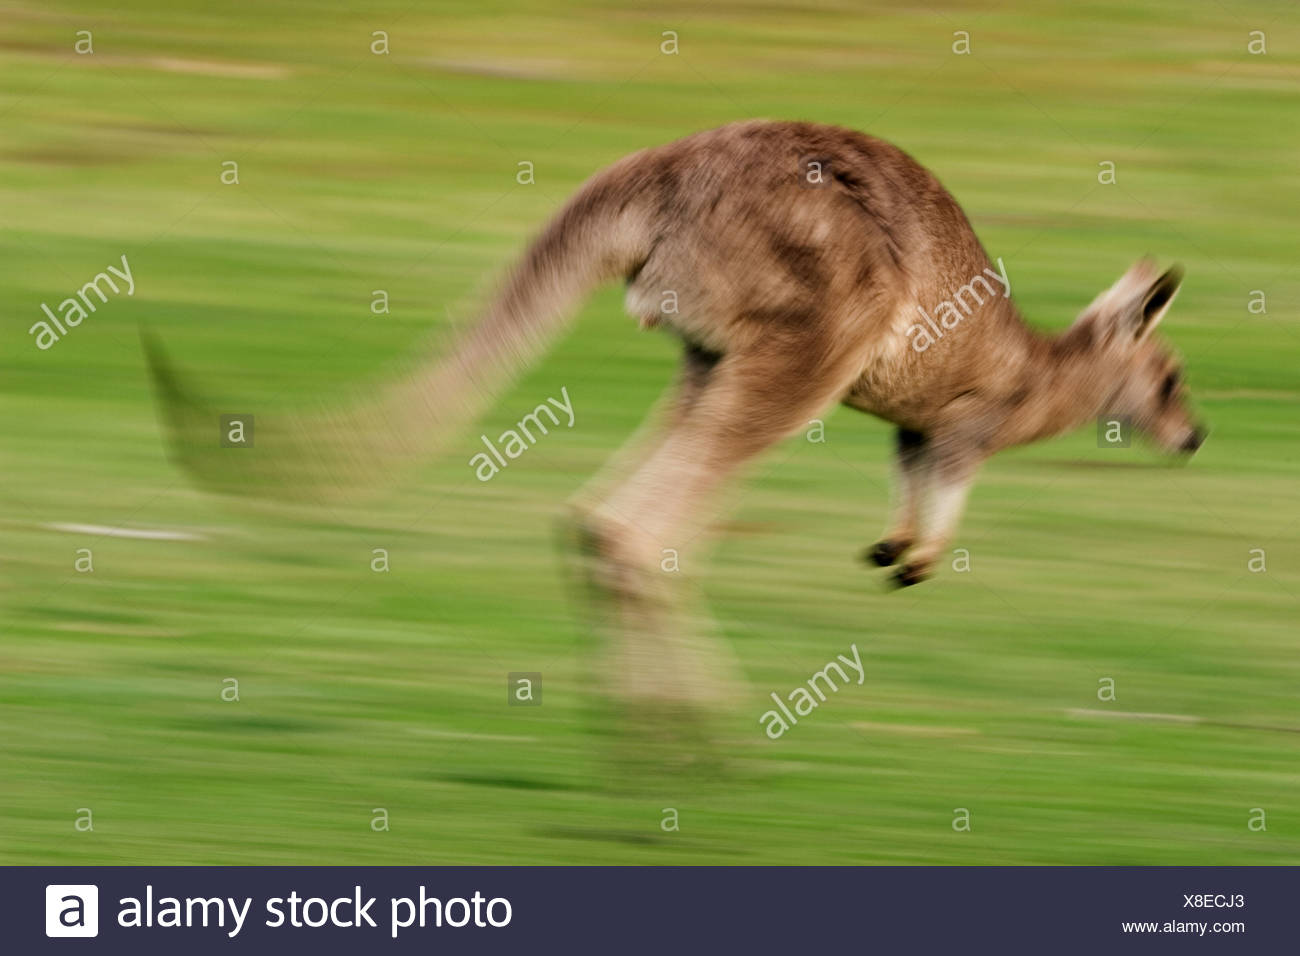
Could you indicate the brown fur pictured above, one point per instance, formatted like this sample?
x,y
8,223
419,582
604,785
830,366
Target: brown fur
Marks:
x,y
791,295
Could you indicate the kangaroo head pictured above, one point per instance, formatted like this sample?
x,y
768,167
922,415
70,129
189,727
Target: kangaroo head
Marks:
x,y
1139,377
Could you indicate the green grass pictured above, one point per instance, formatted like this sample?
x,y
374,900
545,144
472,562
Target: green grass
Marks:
x,y
361,690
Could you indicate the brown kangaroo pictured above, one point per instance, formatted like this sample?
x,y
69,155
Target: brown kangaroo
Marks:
x,y
800,265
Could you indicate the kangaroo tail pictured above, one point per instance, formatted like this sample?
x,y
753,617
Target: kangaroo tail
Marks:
x,y
601,233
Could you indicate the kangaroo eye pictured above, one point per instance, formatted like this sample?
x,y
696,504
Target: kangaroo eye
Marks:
x,y
1167,387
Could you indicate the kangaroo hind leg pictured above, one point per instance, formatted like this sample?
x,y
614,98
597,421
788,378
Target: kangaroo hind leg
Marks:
x,y
655,657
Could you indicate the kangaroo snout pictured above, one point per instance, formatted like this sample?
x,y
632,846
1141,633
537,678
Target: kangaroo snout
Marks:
x,y
1194,440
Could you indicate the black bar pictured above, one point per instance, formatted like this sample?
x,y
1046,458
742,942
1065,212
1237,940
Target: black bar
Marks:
x,y
666,910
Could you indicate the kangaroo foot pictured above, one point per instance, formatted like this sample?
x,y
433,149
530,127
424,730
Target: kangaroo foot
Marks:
x,y
884,553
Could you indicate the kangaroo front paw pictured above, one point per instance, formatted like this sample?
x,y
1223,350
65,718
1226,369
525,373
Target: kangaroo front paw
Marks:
x,y
909,574
884,553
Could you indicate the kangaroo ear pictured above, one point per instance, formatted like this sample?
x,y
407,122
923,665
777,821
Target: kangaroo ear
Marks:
x,y
1153,305
1129,310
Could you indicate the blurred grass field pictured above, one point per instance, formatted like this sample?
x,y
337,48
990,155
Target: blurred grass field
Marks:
x,y
361,690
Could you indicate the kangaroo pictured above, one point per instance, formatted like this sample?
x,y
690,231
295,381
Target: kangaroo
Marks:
x,y
801,266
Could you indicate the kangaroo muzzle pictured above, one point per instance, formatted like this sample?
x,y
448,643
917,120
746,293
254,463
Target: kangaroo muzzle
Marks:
x,y
1194,440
